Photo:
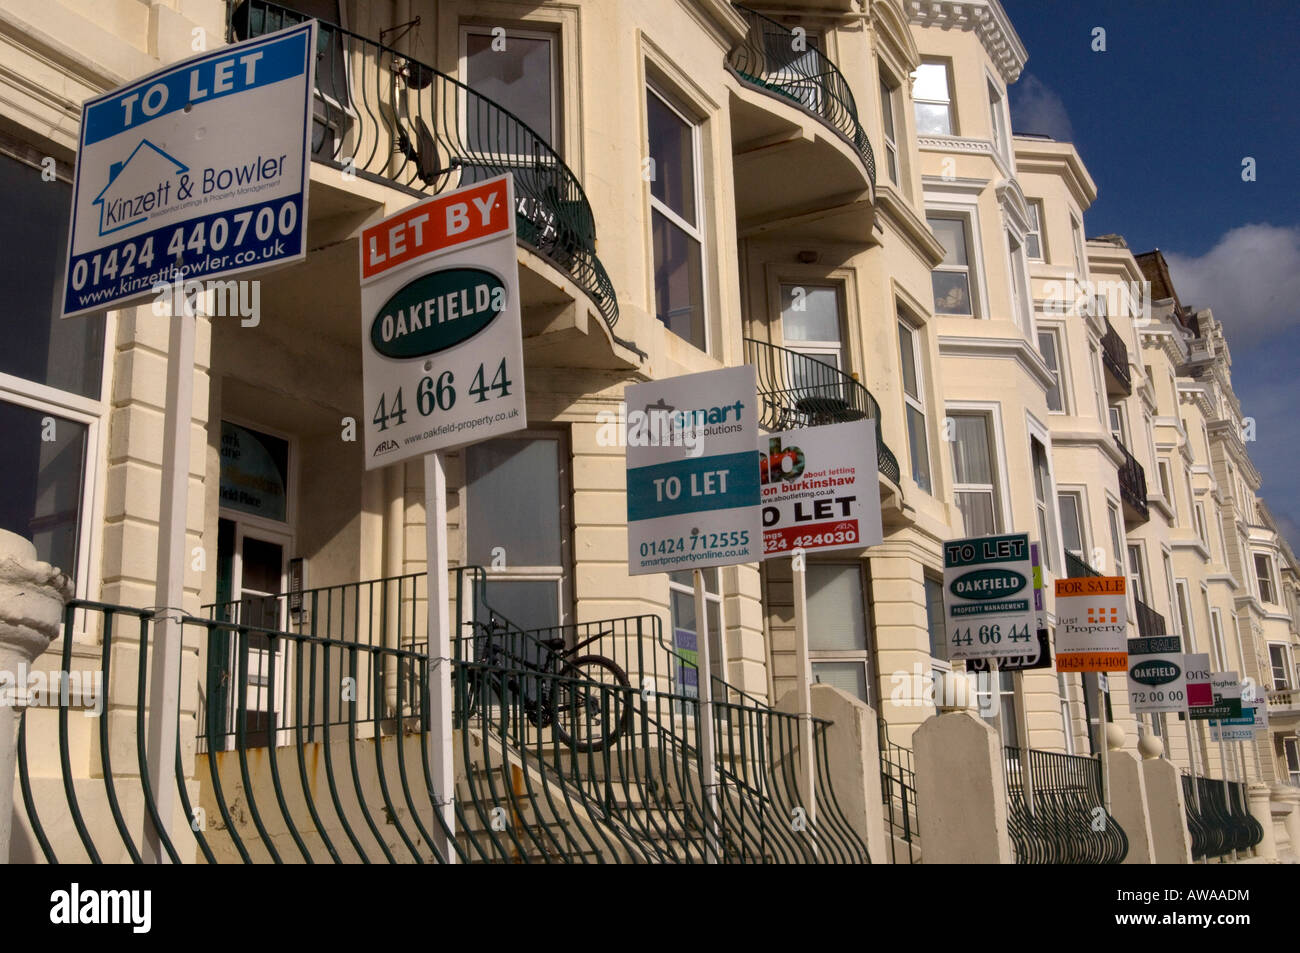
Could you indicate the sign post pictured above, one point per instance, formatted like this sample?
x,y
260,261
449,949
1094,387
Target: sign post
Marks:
x,y
819,495
1200,693
692,502
197,170
442,367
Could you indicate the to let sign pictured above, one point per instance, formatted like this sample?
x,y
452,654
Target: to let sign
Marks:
x,y
442,361
988,597
692,472
196,171
1091,624
819,488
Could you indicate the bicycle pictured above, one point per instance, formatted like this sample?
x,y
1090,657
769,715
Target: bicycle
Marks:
x,y
583,697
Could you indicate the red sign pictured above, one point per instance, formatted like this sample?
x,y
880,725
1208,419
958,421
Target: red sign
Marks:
x,y
440,222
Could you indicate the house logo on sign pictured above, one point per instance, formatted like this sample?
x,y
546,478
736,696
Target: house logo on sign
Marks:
x,y
138,187
1097,616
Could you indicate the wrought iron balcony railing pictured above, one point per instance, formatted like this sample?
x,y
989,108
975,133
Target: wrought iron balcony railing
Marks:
x,y
795,390
1218,817
1114,355
1133,487
774,58
1150,623
1054,821
394,120
1076,568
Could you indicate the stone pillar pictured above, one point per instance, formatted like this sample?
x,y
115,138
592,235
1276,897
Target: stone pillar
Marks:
x,y
961,798
853,764
1166,811
1260,799
1128,799
32,596
1285,794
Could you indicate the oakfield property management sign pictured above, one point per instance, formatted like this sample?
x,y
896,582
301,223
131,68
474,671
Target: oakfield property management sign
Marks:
x,y
196,171
819,488
1157,675
988,597
692,472
442,360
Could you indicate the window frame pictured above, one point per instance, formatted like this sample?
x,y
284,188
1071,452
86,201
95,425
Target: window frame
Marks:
x,y
1287,667
1261,581
972,269
950,103
918,403
817,350
999,120
890,96
717,664
1037,232
999,490
1056,366
1079,499
1050,547
697,233
863,656
1080,253
555,136
1291,755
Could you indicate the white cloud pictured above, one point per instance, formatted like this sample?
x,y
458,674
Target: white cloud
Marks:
x,y
1250,279
1036,109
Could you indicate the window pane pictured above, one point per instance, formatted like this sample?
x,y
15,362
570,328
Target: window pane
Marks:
x,y
1071,530
971,460
1047,348
254,473
846,676
931,82
835,610
935,617
514,501
673,150
887,109
39,345
977,513
918,448
907,359
679,280
951,292
528,603
685,577
518,77
811,314
40,482
951,233
933,120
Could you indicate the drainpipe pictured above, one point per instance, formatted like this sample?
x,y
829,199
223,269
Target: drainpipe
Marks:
x,y
391,593
32,596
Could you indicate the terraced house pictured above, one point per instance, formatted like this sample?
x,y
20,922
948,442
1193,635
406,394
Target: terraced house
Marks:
x,y
829,191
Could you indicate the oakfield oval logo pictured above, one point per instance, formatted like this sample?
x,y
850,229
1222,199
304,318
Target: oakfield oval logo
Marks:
x,y
1155,672
437,311
987,584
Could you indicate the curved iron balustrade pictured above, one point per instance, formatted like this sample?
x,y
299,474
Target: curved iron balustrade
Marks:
x,y
898,794
394,120
795,390
773,58
1218,817
1057,821
312,746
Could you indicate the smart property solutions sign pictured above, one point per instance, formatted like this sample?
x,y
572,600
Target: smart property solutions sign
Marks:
x,y
1157,677
988,597
692,472
442,359
819,489
198,170
1091,624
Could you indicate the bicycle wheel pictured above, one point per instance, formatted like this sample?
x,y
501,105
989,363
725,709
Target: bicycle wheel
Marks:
x,y
590,705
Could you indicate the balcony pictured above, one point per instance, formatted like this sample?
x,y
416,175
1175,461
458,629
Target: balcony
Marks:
x,y
1132,488
1076,568
793,109
1114,357
1150,623
795,390
403,124
1284,701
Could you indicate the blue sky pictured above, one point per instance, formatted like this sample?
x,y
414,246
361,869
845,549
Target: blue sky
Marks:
x,y
1163,118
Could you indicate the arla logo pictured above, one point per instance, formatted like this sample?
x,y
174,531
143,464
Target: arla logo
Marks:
x,y
987,584
436,312
1155,672
385,446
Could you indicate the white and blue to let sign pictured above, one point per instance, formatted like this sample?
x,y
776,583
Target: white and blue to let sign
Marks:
x,y
692,472
197,171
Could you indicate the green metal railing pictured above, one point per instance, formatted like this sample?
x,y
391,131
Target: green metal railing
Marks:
x,y
795,390
1059,817
394,120
313,744
776,59
898,794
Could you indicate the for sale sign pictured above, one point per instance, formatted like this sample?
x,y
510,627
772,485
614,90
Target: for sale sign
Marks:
x,y
819,488
442,359
988,597
1091,624
1157,680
